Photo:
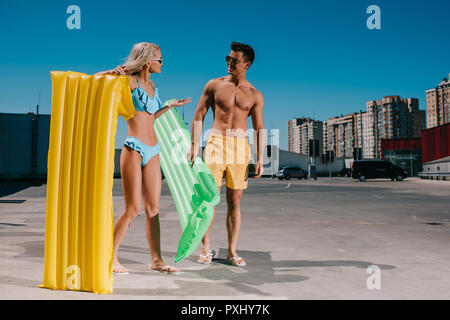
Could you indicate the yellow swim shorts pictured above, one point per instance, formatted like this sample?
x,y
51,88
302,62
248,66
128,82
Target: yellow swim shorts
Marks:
x,y
228,157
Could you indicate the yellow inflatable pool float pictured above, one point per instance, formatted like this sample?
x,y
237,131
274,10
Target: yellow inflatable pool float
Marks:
x,y
79,218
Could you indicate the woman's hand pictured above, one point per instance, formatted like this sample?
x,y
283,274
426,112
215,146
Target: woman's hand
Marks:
x,y
120,70
180,102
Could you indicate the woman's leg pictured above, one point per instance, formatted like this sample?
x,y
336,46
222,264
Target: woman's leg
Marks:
x,y
205,256
151,192
131,171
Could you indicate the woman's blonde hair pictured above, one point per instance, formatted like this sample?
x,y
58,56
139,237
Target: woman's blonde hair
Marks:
x,y
140,54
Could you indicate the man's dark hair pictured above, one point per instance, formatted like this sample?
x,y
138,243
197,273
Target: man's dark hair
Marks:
x,y
247,51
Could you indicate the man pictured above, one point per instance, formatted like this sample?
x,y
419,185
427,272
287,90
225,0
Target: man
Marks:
x,y
227,152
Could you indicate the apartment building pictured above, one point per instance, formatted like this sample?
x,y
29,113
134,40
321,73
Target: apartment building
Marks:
x,y
391,118
341,135
300,131
438,104
325,137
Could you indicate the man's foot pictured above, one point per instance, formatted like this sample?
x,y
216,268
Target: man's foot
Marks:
x,y
164,268
207,258
236,261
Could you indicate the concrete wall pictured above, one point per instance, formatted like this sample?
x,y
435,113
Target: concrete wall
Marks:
x,y
271,164
436,170
43,144
117,163
16,145
288,159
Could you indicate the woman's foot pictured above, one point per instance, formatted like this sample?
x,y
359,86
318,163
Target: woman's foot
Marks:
x,y
164,268
206,258
118,268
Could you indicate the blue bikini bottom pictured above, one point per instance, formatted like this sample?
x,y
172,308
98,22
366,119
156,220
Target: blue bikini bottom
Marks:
x,y
146,152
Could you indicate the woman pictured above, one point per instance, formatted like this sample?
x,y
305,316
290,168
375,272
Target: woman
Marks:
x,y
139,160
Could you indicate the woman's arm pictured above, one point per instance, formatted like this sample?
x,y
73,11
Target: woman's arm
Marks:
x,y
102,73
175,103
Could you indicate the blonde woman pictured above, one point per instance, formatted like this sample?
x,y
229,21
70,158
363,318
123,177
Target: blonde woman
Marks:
x,y
139,160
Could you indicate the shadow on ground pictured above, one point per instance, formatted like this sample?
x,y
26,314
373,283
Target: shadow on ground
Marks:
x,y
10,187
217,279
227,280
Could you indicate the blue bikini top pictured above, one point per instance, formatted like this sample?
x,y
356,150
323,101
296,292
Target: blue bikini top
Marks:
x,y
143,102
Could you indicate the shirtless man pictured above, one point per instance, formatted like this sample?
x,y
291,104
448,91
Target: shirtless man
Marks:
x,y
232,99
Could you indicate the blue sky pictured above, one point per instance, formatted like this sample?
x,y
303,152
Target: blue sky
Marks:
x,y
315,59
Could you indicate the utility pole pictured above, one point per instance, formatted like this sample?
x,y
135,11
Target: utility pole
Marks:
x,y
329,162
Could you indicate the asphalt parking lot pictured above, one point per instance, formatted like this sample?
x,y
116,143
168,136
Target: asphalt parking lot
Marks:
x,y
302,239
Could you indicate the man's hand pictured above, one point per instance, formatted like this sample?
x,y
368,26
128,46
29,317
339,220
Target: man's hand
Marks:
x,y
259,168
193,153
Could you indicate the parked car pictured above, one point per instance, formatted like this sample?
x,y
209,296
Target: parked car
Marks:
x,y
346,172
291,172
373,169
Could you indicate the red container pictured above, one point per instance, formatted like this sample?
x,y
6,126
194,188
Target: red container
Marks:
x,y
400,144
436,143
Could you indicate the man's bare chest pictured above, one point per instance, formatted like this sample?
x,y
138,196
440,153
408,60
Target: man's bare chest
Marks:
x,y
232,98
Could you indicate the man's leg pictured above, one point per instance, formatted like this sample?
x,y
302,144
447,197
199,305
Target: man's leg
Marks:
x,y
234,221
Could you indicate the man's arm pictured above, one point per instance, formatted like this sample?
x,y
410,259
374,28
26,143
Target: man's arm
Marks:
x,y
260,133
206,100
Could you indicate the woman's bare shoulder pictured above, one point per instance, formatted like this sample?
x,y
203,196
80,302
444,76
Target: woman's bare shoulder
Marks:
x,y
133,81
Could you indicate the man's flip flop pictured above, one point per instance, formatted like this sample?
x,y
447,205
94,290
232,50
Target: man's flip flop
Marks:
x,y
211,253
234,262
165,269
119,270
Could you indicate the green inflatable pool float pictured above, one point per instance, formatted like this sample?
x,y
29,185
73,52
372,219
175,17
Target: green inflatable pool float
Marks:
x,y
194,190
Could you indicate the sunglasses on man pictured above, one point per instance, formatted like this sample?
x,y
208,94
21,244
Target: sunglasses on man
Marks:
x,y
232,60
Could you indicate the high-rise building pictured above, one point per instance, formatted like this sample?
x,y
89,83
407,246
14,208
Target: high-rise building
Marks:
x,y
341,135
325,137
294,134
391,118
301,130
438,104
367,129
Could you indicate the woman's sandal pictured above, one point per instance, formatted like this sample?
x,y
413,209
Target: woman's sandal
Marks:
x,y
211,253
166,269
234,261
